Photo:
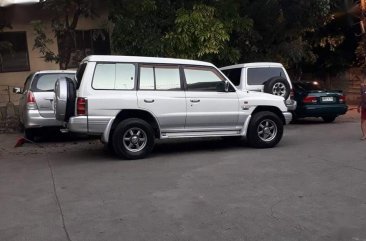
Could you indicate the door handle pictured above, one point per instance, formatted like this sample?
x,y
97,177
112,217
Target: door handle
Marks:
x,y
195,100
149,100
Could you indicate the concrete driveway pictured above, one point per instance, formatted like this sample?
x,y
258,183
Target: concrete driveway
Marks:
x,y
312,186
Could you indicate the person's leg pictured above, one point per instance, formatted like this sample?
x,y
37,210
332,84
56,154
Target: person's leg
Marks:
x,y
363,128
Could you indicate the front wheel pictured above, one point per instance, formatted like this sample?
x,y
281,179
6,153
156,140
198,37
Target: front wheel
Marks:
x,y
265,130
133,139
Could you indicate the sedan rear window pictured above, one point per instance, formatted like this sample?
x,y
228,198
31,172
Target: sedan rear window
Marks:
x,y
46,82
308,85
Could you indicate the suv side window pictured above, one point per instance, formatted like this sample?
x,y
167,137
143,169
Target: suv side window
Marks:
x,y
233,75
203,79
114,76
257,76
159,78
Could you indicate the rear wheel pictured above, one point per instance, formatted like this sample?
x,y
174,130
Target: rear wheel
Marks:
x,y
30,134
329,119
133,139
265,130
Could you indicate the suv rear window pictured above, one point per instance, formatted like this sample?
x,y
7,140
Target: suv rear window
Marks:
x,y
46,82
257,76
233,75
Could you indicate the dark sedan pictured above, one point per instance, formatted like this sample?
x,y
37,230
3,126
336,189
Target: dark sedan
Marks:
x,y
315,101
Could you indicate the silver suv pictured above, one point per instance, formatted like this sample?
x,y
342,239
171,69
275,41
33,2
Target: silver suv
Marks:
x,y
35,104
131,101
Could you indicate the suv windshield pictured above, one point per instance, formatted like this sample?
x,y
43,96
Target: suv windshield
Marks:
x,y
46,82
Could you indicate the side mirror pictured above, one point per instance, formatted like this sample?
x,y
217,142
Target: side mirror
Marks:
x,y
227,85
17,90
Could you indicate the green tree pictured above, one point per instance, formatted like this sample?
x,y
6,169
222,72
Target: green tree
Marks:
x,y
140,25
65,17
197,34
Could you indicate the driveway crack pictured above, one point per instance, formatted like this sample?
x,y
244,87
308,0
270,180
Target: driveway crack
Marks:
x,y
58,201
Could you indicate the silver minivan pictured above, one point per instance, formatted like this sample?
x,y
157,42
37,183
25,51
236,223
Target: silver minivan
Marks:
x,y
36,101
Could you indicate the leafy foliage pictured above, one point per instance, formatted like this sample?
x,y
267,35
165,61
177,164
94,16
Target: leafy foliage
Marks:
x,y
197,34
66,14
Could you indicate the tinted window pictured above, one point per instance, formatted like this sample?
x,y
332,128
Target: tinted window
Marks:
x,y
159,78
307,86
46,82
202,79
114,76
257,76
233,75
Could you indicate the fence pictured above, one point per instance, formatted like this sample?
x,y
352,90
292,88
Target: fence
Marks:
x,y
9,109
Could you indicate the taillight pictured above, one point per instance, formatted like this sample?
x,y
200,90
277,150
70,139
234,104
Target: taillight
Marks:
x,y
81,106
310,100
292,94
342,99
31,101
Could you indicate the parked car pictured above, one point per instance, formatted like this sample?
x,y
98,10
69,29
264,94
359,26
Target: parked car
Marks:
x,y
131,101
36,101
315,101
265,77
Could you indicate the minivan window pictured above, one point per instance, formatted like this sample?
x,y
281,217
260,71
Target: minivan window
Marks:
x,y
257,76
46,82
114,76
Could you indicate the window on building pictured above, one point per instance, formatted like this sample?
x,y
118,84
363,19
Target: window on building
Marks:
x,y
88,42
13,52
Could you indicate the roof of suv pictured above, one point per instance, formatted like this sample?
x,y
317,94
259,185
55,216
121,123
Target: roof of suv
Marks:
x,y
138,59
55,72
256,64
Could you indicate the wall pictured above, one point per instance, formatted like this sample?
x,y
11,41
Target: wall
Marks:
x,y
21,17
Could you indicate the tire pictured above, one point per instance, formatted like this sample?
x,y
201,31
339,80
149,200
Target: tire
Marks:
x,y
329,119
277,86
231,138
64,100
265,130
127,139
30,134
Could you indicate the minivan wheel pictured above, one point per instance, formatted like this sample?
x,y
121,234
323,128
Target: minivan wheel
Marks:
x,y
265,130
29,134
133,139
